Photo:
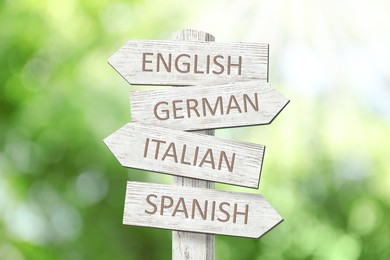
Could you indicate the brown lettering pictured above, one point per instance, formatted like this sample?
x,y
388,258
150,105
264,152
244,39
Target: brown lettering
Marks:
x,y
235,106
211,161
230,64
255,105
213,210
241,213
165,112
224,211
173,154
206,103
196,71
189,107
175,108
151,204
228,165
183,155
186,64
203,213
157,147
196,155
161,58
144,61
218,64
184,209
163,205
208,65
146,147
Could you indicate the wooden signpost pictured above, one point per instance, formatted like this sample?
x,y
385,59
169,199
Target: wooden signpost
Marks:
x,y
198,210
190,245
227,87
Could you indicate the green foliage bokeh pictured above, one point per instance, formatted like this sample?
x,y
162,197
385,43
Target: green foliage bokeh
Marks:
x,y
326,170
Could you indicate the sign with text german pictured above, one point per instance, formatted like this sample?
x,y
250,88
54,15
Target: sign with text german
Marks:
x,y
198,210
186,154
208,107
179,63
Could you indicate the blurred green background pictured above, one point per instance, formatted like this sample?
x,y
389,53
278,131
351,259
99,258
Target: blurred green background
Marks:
x,y
327,166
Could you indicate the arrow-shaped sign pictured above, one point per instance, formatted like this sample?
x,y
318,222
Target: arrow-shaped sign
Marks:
x,y
187,154
190,63
208,107
198,210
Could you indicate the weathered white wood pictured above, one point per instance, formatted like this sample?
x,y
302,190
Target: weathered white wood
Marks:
x,y
198,210
190,63
205,107
187,154
189,245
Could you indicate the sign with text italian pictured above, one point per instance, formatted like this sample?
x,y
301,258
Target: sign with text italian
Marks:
x,y
178,63
186,154
208,107
198,210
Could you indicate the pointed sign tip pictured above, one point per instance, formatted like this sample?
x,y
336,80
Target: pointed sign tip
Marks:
x,y
281,108
261,234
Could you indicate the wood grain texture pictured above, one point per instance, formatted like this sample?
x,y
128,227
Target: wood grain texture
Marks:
x,y
198,210
137,62
189,245
208,107
187,154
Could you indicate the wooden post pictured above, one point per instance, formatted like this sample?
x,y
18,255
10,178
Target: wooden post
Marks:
x,y
187,245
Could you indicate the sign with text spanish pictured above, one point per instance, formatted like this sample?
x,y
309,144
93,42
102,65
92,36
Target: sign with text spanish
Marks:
x,y
208,107
186,154
198,210
178,63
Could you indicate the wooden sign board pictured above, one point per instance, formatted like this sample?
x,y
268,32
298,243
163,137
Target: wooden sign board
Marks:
x,y
208,107
187,154
179,63
198,210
